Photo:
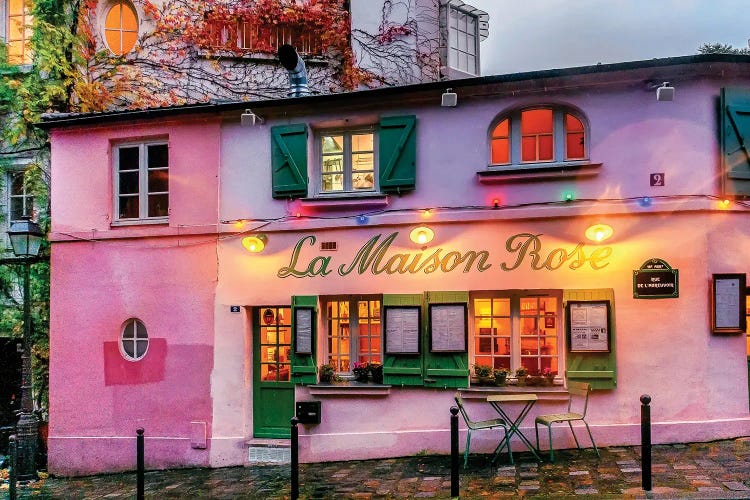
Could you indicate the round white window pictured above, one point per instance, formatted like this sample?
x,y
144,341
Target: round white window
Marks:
x,y
134,341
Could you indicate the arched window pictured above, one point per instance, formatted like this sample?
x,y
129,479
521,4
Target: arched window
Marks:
x,y
538,135
134,340
121,28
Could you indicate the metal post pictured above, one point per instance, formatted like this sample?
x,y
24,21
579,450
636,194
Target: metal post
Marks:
x,y
140,466
295,458
454,452
646,442
27,429
13,466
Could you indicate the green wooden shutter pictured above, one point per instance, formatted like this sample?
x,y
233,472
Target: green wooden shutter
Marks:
x,y
397,152
402,369
735,141
304,368
444,369
597,368
289,160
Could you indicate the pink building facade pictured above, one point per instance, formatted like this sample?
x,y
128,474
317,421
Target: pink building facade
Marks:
x,y
165,316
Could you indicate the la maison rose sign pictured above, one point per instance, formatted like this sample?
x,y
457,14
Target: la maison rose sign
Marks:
x,y
377,257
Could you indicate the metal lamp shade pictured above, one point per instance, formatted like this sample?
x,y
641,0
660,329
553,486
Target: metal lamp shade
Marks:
x,y
26,238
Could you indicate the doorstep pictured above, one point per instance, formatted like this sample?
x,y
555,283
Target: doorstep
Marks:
x,y
269,451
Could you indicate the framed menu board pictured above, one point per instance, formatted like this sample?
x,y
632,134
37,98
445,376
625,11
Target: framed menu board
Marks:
x,y
588,326
448,328
401,329
728,303
304,322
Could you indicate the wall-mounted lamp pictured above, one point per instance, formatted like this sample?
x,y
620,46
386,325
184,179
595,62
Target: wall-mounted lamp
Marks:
x,y
599,232
421,235
449,99
250,119
255,243
665,92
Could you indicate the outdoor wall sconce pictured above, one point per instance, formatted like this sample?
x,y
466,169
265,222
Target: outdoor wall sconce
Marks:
x,y
421,235
255,243
449,99
250,119
665,92
599,232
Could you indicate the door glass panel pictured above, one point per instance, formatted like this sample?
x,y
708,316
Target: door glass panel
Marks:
x,y
275,344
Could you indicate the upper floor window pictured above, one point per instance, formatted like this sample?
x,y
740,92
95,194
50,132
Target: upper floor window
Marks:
x,y
141,181
538,135
18,31
121,28
347,162
463,39
249,36
353,331
134,340
21,199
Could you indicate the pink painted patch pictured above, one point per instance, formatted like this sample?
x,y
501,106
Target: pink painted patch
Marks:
x,y
119,371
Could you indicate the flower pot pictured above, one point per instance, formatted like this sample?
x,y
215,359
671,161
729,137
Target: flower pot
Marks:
x,y
501,379
521,381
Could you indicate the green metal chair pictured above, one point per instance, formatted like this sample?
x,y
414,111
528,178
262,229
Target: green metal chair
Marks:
x,y
578,391
479,425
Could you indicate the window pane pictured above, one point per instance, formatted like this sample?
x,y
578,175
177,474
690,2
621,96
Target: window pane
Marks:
x,y
362,142
128,158
362,161
573,124
333,182
363,181
140,348
333,163
333,144
129,20
129,348
501,129
574,147
502,346
500,151
128,331
129,182
545,148
114,41
129,207
158,181
284,373
140,331
16,184
113,17
158,205
158,156
128,41
536,121
16,209
528,149
502,362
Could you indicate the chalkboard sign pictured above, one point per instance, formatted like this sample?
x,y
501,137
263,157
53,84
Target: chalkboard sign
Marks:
x,y
304,322
728,303
448,328
656,280
401,325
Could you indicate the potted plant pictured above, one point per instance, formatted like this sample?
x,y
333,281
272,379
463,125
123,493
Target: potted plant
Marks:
x,y
376,371
521,374
484,374
549,376
501,376
361,372
328,374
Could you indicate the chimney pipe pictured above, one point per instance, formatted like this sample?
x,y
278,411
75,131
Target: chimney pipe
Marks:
x,y
293,63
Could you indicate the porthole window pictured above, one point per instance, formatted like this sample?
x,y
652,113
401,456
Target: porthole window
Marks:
x,y
121,28
134,341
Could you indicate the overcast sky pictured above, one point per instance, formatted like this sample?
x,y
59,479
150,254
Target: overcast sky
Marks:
x,y
528,35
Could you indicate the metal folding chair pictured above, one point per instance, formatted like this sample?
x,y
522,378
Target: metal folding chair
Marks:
x,y
578,391
479,425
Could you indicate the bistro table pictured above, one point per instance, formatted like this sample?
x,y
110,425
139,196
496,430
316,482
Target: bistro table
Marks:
x,y
497,401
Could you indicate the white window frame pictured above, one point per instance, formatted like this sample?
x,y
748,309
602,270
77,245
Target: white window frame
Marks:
x,y
456,35
142,182
559,137
515,297
26,195
348,191
353,326
135,322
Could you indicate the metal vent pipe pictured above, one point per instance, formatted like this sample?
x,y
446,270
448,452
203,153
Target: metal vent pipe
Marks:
x,y
297,73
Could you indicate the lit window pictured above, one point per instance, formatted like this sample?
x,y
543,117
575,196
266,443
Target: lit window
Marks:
x,y
353,332
347,162
21,200
134,340
121,28
19,32
141,181
513,330
463,40
275,344
537,135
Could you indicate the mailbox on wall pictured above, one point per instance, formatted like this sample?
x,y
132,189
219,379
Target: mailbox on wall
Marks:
x,y
308,412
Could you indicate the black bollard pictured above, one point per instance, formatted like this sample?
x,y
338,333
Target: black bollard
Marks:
x,y
454,452
646,442
13,472
140,482
295,458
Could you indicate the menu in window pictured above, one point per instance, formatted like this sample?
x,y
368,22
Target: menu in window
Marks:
x,y
728,299
588,326
402,330
303,330
448,328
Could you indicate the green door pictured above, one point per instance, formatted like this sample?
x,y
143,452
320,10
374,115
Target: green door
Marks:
x,y
273,391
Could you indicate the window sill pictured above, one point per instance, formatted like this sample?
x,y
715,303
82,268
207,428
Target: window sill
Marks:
x,y
535,171
554,393
349,388
347,200
258,57
140,222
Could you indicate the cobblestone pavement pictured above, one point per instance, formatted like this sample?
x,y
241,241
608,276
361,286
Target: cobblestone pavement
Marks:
x,y
719,469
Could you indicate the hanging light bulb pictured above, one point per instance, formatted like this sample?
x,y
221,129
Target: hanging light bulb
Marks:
x,y
421,235
599,232
255,243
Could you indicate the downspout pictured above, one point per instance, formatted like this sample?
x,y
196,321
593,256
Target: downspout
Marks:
x,y
293,63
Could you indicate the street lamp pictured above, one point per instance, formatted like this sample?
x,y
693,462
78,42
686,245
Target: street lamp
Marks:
x,y
26,239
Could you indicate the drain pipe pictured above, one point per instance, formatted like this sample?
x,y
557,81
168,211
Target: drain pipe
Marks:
x,y
297,73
